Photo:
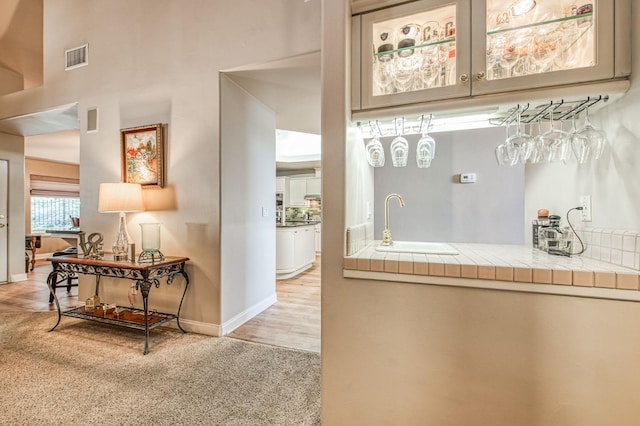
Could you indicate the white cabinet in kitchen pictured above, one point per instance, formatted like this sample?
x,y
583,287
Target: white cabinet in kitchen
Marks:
x,y
318,232
295,250
297,191
285,250
430,50
281,184
314,186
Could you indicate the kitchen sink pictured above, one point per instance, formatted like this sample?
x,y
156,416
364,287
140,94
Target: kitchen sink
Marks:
x,y
418,247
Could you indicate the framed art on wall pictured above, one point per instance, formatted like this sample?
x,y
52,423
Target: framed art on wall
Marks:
x,y
143,156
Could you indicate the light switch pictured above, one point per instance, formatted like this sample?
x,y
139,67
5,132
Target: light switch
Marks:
x,y
265,212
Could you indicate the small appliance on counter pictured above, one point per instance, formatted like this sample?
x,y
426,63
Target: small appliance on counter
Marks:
x,y
549,236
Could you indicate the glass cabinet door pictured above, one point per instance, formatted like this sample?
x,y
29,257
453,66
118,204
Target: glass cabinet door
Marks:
x,y
535,43
415,52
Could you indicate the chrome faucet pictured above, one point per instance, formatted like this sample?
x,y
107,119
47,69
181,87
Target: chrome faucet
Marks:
x,y
386,233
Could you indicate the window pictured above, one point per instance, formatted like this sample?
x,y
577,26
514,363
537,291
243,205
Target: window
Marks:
x,y
54,201
53,213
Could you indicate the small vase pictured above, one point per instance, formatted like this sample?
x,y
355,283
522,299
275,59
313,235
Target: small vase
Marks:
x,y
150,243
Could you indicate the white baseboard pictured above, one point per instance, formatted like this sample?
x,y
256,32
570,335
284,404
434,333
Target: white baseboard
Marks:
x,y
196,327
43,255
226,328
18,277
235,322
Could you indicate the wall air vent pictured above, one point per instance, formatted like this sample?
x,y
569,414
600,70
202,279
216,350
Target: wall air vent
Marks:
x,y
76,57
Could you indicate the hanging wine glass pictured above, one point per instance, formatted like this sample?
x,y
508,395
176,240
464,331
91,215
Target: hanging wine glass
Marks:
x,y
537,147
426,149
507,153
425,152
597,138
579,144
555,142
375,153
522,143
399,152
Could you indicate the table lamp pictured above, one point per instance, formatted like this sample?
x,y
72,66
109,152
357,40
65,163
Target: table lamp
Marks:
x,y
121,198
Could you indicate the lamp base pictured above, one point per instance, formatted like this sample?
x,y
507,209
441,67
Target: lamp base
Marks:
x,y
120,257
150,256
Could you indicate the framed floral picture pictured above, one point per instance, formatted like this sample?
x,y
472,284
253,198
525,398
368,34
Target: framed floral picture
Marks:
x,y
143,156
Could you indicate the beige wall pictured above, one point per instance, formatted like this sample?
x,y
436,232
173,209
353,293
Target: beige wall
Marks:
x,y
21,43
413,354
156,61
248,238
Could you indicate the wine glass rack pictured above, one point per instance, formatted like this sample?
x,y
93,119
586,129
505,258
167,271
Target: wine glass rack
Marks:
x,y
560,110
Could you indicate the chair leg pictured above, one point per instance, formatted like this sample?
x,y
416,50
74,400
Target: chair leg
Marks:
x,y
54,281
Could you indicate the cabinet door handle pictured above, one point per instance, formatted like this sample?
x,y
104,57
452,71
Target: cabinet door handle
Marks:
x,y
464,78
480,76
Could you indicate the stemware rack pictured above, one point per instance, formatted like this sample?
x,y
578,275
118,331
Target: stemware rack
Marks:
x,y
558,110
397,126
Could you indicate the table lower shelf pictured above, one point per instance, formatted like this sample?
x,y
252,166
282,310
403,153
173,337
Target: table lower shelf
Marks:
x,y
126,317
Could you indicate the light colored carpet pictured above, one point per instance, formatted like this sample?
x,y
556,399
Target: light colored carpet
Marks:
x,y
87,373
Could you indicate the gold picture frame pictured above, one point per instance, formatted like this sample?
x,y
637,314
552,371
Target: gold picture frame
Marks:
x,y
143,155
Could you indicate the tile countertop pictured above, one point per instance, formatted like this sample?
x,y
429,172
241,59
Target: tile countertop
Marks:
x,y
502,267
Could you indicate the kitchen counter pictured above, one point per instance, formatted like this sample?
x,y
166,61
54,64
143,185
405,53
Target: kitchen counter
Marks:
x,y
298,223
502,267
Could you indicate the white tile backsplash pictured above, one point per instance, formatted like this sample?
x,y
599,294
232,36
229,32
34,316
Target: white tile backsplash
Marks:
x,y
616,240
616,255
629,241
628,259
620,247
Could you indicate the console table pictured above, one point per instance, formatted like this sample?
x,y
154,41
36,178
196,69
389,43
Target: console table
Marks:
x,y
144,275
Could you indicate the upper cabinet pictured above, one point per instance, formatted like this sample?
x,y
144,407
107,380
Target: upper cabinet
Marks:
x,y
433,50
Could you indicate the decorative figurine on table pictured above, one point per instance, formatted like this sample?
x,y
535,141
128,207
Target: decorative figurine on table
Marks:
x,y
91,249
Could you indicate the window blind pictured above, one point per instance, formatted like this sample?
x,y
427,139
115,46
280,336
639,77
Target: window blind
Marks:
x,y
53,186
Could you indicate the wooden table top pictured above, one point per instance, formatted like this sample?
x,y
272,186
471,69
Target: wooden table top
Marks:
x,y
124,264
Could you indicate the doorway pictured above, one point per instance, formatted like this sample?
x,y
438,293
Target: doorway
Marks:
x,y
289,92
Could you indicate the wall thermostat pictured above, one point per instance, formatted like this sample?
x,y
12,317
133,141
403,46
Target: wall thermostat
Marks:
x,y
467,178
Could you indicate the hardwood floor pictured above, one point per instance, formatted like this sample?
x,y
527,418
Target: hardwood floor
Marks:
x,y
32,295
294,321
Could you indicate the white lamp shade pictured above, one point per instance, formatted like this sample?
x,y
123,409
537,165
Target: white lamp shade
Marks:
x,y
120,197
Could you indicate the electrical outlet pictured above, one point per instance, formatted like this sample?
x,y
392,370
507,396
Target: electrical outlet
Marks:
x,y
585,203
